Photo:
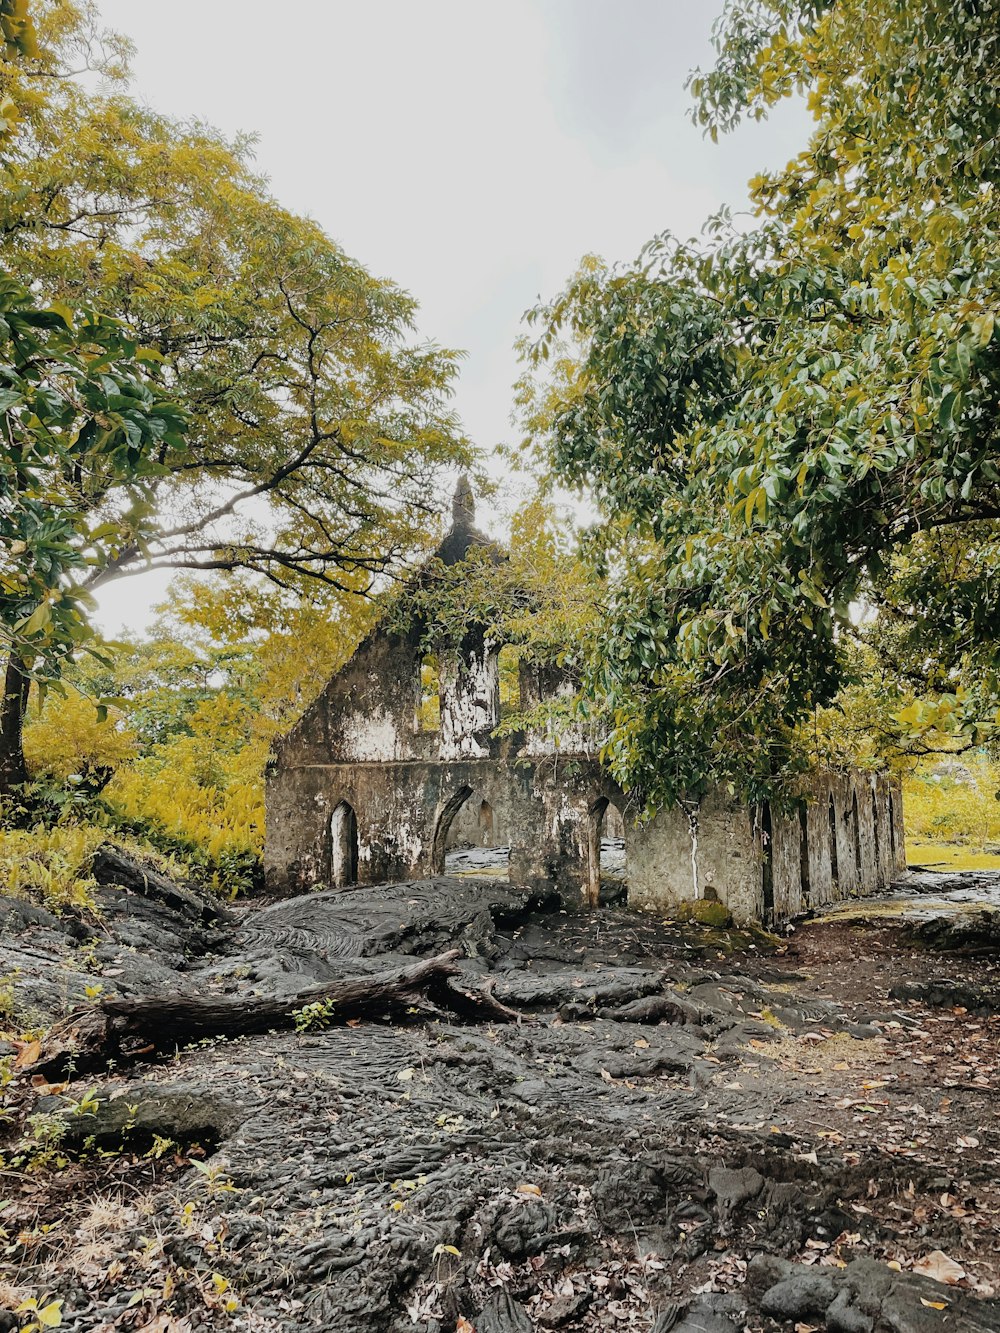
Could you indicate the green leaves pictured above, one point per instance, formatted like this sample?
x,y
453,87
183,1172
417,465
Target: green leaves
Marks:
x,y
78,417
771,420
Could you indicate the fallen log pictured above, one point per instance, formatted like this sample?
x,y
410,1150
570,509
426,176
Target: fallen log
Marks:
x,y
126,1028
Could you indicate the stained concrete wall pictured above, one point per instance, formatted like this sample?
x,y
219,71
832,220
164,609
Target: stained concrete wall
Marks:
x,y
844,840
405,813
711,853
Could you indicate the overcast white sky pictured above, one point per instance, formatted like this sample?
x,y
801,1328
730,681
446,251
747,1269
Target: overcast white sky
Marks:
x,y
471,151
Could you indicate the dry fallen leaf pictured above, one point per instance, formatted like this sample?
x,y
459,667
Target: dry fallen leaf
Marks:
x,y
28,1054
41,1084
641,1042
968,1141
529,1189
938,1266
934,1305
463,1325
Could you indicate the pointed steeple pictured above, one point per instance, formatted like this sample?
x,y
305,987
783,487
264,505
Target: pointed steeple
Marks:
x,y
463,505
463,533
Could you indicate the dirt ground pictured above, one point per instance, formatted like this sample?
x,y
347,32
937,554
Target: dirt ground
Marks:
x,y
685,1128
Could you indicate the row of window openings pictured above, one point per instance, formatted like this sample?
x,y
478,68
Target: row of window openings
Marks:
x,y
477,828
853,825
428,715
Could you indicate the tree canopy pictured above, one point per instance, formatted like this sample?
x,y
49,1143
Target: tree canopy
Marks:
x,y
312,427
792,431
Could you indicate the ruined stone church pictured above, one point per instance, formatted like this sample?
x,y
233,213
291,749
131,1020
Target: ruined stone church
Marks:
x,y
362,791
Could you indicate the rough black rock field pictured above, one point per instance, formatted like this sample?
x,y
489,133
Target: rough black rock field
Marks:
x,y
579,1122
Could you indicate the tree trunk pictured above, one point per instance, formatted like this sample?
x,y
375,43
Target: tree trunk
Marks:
x,y
13,706
124,1029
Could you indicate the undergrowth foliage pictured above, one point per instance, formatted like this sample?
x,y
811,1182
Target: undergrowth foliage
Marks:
x,y
176,763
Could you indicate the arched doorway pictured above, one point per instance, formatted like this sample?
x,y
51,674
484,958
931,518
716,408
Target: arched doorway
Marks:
x,y
804,875
465,836
605,852
343,846
474,825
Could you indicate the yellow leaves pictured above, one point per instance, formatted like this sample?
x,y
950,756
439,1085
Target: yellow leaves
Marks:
x,y
529,1189
49,864
755,504
43,1316
934,1305
982,328
70,738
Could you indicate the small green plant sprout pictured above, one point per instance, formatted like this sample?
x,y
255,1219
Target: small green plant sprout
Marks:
x,y
317,1015
160,1146
44,1314
89,1104
7,996
94,991
216,1180
442,1255
39,1149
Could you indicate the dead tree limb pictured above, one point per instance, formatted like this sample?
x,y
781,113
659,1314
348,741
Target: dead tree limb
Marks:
x,y
123,1028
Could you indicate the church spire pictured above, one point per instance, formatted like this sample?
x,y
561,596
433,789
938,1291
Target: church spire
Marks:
x,y
463,505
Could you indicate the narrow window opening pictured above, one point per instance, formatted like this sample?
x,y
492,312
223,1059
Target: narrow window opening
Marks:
x,y
856,831
804,852
876,837
486,824
767,869
343,846
509,667
429,695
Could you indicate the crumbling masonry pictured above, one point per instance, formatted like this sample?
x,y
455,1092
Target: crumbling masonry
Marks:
x,y
358,792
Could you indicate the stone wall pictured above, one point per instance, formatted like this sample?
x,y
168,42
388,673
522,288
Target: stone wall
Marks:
x,y
405,811
844,840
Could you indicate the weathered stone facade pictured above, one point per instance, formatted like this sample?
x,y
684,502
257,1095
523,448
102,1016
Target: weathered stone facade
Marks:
x,y
359,792
845,840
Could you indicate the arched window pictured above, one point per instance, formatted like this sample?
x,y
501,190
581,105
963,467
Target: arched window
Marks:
x,y
804,853
856,834
766,833
343,846
486,824
474,825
